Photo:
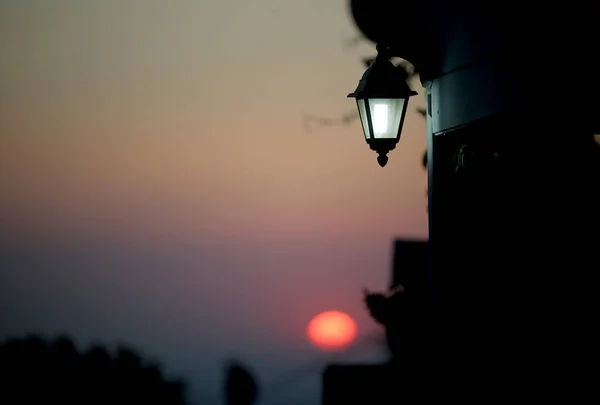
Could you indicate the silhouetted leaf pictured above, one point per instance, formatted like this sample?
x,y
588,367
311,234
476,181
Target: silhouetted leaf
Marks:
x,y
348,118
354,41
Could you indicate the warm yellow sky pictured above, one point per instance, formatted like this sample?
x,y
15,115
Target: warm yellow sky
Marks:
x,y
170,124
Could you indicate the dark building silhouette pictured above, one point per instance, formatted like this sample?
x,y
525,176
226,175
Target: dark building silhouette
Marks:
x,y
513,190
404,310
404,313
410,266
359,384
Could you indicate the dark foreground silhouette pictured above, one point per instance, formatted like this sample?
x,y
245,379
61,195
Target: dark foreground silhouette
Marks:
x,y
240,386
38,371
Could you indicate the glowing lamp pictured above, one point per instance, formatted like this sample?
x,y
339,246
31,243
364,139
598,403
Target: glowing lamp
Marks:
x,y
382,99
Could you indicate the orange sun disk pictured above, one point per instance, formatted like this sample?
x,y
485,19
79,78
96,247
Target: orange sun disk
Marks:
x,y
332,330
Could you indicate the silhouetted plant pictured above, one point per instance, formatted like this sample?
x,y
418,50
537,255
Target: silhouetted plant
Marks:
x,y
389,310
36,371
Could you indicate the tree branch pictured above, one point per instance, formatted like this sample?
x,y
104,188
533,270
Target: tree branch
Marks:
x,y
308,121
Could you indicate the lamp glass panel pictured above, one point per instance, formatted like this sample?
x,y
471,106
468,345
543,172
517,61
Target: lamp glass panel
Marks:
x,y
386,114
362,111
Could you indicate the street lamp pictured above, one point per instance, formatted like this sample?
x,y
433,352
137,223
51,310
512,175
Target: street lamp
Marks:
x,y
382,99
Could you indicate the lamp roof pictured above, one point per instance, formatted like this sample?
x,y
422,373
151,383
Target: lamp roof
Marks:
x,y
383,80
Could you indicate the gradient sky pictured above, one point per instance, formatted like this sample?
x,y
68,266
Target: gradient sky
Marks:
x,y
157,186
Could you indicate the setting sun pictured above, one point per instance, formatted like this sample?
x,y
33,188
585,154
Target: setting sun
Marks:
x,y
331,330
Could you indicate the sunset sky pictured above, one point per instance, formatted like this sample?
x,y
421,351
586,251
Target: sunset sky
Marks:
x,y
157,186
